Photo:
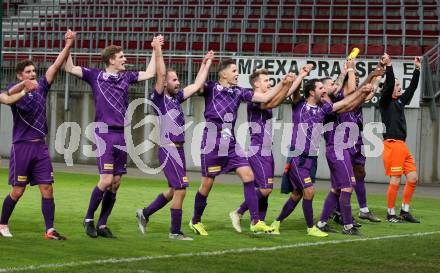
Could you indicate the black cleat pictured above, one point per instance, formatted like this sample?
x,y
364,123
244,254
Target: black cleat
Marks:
x,y
368,216
105,232
356,224
89,227
327,229
337,218
352,231
54,235
406,216
394,219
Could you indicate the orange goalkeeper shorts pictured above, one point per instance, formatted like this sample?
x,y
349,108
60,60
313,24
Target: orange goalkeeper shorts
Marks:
x,y
397,158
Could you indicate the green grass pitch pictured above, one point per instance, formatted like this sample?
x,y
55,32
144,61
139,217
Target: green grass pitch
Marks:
x,y
154,252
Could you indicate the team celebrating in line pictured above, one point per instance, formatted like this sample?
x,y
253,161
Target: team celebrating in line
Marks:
x,y
321,107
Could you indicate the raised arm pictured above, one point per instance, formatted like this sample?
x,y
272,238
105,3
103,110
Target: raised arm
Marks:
x,y
339,82
409,92
305,71
201,77
62,57
70,68
374,79
265,97
279,97
350,86
353,100
388,87
160,65
288,89
375,76
151,70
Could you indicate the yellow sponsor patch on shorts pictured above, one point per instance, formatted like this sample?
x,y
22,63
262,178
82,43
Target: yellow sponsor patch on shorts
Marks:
x,y
185,179
21,178
214,169
108,166
353,179
308,180
269,181
396,169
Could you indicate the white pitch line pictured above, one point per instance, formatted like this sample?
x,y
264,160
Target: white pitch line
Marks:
x,y
211,253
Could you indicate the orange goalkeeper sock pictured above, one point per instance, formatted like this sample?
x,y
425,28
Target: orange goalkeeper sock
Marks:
x,y
408,192
393,189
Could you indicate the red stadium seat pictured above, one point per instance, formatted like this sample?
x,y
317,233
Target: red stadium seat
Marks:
x,y
286,30
214,46
284,47
360,46
426,48
235,30
394,50
431,32
251,30
301,48
132,45
197,46
218,29
413,50
375,49
166,45
266,47
337,49
248,47
56,44
202,29
304,30
231,46
319,49
169,29
181,46
85,44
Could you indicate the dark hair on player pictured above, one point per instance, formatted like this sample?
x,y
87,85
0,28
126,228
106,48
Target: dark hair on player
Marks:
x,y
109,53
309,86
323,80
225,64
254,76
169,70
22,65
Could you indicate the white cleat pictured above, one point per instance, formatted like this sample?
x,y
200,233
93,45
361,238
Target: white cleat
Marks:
x,y
235,219
180,237
4,231
142,221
